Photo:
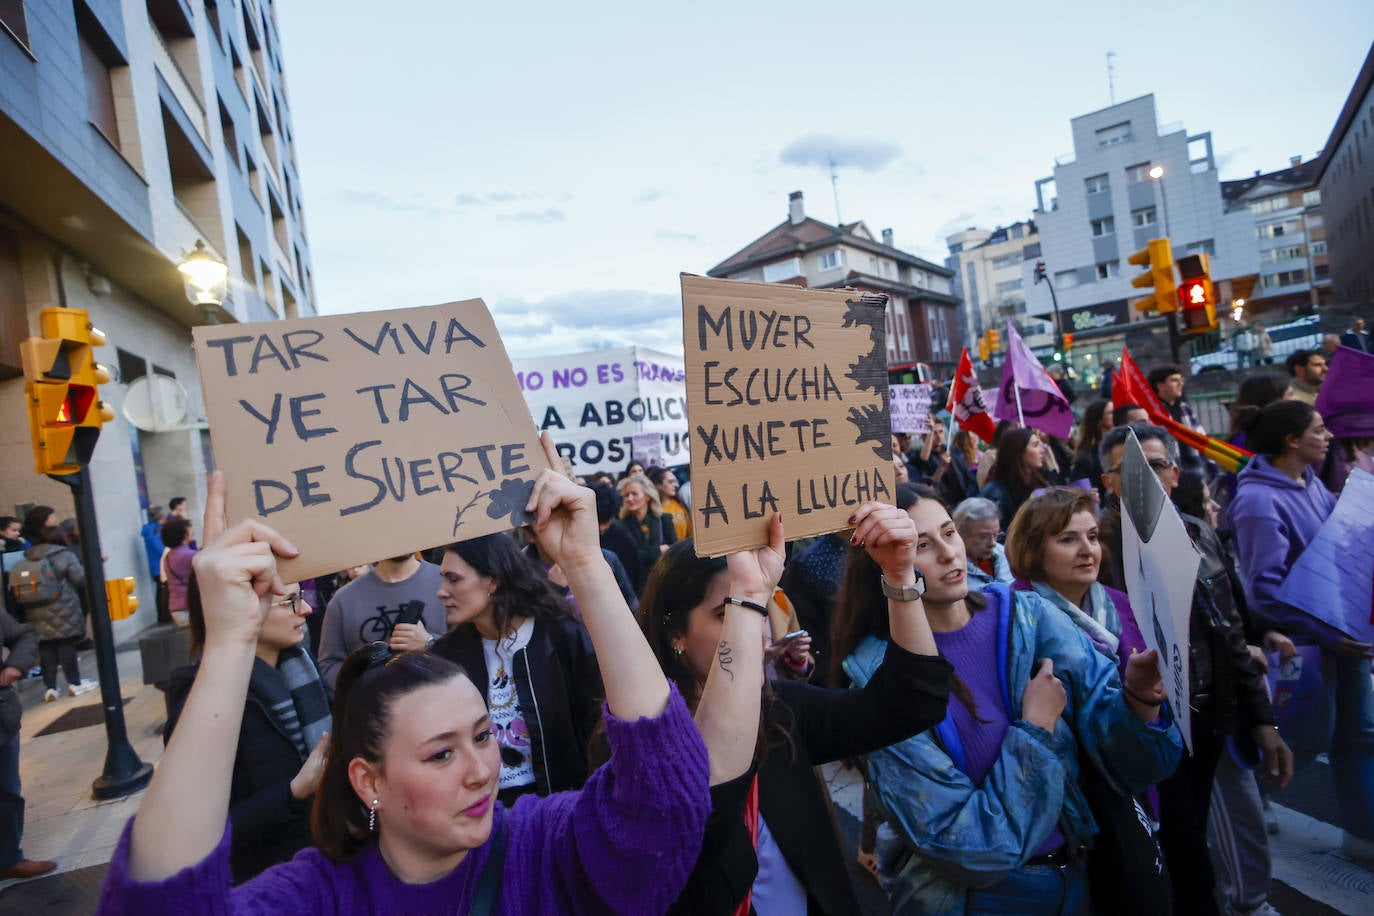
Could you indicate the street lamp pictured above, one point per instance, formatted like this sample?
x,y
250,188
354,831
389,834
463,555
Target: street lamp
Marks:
x,y
1157,173
206,278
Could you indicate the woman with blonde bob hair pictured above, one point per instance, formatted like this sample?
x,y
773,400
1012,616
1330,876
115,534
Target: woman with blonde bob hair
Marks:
x,y
643,519
1054,550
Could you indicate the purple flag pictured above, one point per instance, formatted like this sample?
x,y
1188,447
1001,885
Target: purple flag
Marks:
x,y
1028,395
1346,399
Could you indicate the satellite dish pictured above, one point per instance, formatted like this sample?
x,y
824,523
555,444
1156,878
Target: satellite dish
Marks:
x,y
156,404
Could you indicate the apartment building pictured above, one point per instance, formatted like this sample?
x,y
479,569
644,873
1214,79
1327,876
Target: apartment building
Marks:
x,y
132,131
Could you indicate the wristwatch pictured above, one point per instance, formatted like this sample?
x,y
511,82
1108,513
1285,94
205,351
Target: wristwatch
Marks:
x,y
429,643
904,592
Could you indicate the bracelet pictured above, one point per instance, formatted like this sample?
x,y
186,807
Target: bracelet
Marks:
x,y
1138,699
751,605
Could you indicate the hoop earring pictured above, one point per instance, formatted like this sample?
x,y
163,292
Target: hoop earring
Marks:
x,y
372,817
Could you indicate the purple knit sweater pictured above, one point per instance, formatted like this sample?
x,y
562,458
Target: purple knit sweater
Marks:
x,y
624,843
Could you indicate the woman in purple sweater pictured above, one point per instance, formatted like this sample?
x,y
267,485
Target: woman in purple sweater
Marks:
x,y
406,817
1054,551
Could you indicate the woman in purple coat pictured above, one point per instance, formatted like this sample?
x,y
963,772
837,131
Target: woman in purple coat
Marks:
x,y
406,818
1054,551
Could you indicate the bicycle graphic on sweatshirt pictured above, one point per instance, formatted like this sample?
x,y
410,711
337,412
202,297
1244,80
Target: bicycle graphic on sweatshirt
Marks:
x,y
378,628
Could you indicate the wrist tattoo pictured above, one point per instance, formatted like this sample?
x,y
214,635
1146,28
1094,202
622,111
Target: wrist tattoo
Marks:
x,y
726,656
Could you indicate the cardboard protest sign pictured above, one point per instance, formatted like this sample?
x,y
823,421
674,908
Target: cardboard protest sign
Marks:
x,y
911,408
788,404
1333,578
594,403
1161,565
369,435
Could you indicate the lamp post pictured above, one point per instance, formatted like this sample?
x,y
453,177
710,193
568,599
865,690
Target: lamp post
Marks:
x,y
1157,173
206,278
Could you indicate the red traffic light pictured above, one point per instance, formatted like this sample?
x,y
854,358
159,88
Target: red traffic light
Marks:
x,y
1193,293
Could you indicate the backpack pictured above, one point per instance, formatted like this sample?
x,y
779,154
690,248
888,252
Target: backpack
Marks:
x,y
34,583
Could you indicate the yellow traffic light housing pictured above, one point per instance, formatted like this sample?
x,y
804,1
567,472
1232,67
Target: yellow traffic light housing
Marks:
x,y
62,382
120,597
1158,257
1196,294
983,352
995,340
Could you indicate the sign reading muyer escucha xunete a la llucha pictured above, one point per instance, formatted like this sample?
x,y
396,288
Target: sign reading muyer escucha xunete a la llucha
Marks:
x,y
369,435
787,404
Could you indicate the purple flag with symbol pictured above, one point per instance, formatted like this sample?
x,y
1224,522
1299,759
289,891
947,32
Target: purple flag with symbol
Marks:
x,y
1028,395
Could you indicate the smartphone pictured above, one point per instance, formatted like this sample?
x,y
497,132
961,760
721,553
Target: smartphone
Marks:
x,y
786,640
410,612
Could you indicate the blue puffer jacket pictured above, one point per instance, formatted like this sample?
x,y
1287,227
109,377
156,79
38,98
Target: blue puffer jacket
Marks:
x,y
967,836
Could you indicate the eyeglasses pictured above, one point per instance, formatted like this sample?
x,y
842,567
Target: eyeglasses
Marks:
x,y
1158,465
293,601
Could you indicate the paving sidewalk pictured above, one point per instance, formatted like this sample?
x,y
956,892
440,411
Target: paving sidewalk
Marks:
x,y
62,821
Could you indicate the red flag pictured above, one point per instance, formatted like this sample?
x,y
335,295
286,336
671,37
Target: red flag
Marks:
x,y
1130,387
966,401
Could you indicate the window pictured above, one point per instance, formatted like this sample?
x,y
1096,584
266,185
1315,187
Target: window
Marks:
x,y
1138,172
1108,269
832,259
1283,278
1065,279
1278,230
772,273
1008,286
1096,184
1143,217
12,19
1287,253
1270,204
1311,198
1318,247
99,58
1006,260
212,15
1117,133
1206,246
1104,226
247,266
231,136
1321,271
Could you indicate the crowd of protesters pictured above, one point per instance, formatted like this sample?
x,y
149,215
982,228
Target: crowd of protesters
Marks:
x,y
585,716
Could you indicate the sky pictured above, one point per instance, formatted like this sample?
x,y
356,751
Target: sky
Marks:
x,y
566,162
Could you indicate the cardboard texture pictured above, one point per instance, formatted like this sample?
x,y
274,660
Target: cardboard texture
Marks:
x,y
369,435
788,409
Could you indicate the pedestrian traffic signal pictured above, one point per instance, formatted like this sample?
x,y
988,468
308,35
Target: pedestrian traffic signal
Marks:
x,y
1039,271
1158,256
1196,294
61,386
120,597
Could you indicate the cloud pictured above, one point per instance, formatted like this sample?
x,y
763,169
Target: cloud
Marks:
x,y
495,198
669,235
648,196
375,200
869,155
550,215
1227,159
958,224
590,320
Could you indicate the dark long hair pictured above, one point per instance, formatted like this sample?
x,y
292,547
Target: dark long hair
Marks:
x,y
1010,471
1090,430
522,589
35,520
1267,430
370,682
679,582
1256,392
861,608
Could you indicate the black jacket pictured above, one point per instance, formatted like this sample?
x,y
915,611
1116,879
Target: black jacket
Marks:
x,y
21,651
1226,687
906,696
559,685
269,824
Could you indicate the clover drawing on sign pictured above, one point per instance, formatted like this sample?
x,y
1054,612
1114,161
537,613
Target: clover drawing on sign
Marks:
x,y
510,499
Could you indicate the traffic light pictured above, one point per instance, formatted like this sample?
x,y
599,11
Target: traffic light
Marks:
x,y
1068,342
1196,295
1039,271
1158,256
120,597
995,340
61,386
983,353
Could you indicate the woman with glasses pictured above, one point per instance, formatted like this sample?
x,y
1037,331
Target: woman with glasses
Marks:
x,y
406,817
281,746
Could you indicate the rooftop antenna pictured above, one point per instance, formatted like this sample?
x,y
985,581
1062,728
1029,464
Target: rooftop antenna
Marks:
x,y
1111,76
834,186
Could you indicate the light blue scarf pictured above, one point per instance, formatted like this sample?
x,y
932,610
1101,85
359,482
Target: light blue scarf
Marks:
x,y
1099,619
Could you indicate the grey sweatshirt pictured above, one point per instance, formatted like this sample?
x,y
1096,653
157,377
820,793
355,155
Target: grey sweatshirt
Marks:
x,y
365,610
